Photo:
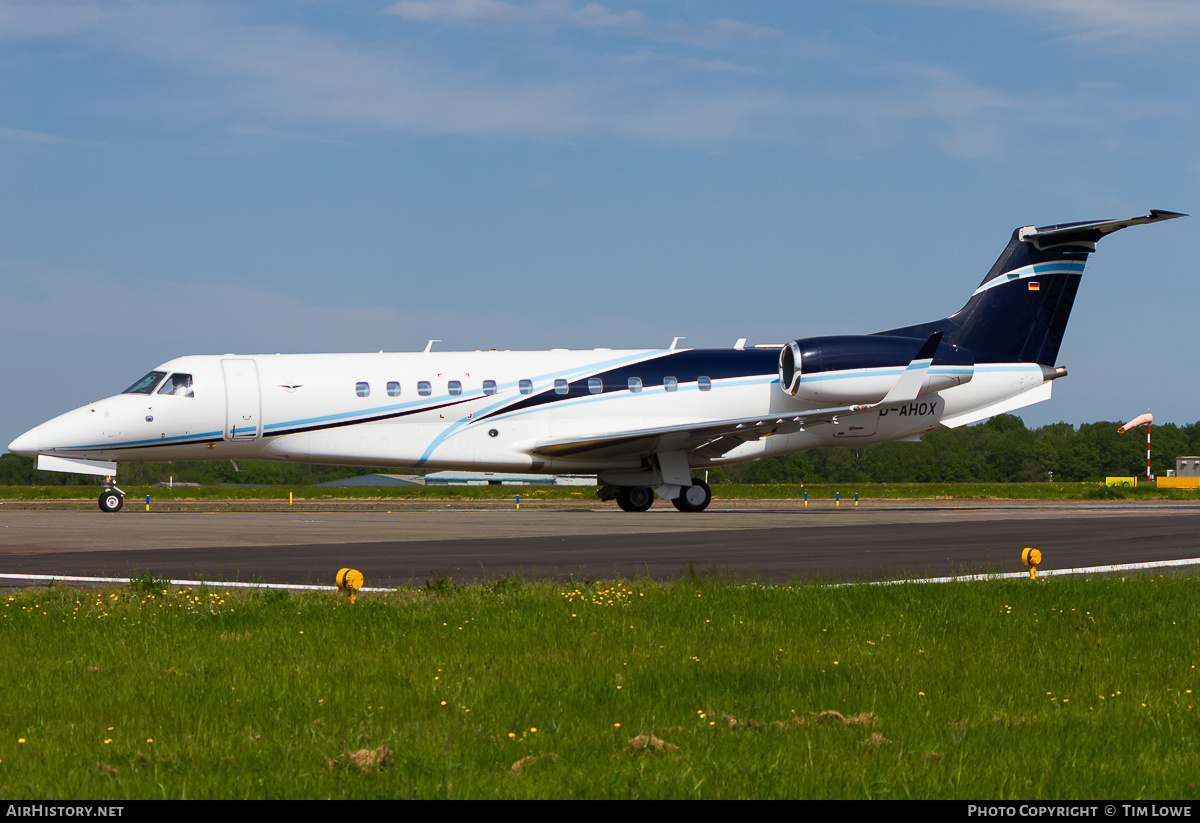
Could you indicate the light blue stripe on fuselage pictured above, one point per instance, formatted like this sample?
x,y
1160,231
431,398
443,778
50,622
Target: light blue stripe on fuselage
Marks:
x,y
881,371
475,394
575,402
178,440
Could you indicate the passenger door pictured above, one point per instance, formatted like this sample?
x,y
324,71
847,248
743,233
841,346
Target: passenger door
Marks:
x,y
243,405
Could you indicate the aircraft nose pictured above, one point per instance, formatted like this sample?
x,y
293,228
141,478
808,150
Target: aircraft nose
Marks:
x,y
28,444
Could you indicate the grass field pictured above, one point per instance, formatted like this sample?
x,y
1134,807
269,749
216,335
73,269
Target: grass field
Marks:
x,y
867,491
702,688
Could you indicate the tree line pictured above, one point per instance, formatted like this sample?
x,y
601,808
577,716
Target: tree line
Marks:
x,y
1001,450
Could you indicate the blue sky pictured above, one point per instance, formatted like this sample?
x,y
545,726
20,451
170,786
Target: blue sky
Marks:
x,y
186,178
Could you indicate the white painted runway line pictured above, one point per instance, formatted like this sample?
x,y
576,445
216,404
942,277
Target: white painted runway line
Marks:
x,y
213,584
965,578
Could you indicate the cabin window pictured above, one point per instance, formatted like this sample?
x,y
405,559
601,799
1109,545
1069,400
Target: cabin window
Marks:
x,y
146,384
362,389
703,383
393,388
489,386
595,385
179,385
455,388
670,384
635,384
560,386
526,386
424,388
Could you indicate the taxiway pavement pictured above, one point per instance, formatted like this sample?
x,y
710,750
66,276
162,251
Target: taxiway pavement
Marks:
x,y
771,544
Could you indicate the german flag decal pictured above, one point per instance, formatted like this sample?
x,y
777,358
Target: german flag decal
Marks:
x,y
1033,285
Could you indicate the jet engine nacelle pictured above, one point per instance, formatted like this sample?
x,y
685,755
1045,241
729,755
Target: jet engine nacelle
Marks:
x,y
863,368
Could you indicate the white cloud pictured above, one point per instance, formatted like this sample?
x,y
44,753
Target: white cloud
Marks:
x,y
699,84
1128,21
554,12
287,75
566,14
27,136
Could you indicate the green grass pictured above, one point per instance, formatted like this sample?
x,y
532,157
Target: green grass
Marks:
x,y
1060,688
724,492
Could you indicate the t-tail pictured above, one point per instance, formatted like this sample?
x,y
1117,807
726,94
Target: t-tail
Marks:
x,y
1019,312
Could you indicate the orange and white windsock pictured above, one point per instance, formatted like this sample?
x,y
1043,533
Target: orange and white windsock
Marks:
x,y
1146,418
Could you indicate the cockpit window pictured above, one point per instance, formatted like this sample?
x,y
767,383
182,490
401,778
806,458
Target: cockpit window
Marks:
x,y
146,384
179,385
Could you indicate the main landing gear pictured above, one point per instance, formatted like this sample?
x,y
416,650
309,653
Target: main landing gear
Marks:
x,y
693,498
112,498
635,498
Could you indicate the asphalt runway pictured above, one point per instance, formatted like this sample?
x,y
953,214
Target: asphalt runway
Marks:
x,y
410,547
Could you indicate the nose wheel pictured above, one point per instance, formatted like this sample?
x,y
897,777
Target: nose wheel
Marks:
x,y
111,500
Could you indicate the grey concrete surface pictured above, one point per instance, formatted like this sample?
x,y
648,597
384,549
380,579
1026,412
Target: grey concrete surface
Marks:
x,y
411,546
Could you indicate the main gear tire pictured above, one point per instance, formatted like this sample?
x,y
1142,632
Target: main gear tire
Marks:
x,y
635,498
693,498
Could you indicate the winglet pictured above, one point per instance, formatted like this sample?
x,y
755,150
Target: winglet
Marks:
x,y
909,385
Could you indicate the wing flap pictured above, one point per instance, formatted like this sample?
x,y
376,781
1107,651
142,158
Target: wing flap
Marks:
x,y
712,436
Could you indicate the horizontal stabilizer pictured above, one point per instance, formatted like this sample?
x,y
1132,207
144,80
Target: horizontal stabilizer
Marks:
x,y
1019,312
1089,232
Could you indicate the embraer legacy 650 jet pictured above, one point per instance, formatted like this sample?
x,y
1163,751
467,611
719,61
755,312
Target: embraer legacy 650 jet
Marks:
x,y
642,420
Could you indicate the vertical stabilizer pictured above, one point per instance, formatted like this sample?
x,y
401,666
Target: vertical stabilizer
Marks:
x,y
1020,311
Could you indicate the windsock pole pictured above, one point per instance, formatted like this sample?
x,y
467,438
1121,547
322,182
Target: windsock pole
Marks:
x,y
1148,450
1148,419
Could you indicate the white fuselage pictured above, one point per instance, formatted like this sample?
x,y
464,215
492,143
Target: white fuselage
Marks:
x,y
489,410
639,419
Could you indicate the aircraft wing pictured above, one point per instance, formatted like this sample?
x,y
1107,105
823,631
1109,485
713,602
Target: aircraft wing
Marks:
x,y
713,438
710,438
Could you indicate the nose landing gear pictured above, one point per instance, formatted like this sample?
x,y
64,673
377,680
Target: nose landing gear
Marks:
x,y
112,498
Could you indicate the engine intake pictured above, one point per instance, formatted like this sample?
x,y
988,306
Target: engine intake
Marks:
x,y
863,368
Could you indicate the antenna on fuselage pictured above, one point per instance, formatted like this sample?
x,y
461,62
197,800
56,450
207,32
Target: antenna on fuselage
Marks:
x,y
429,345
674,342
